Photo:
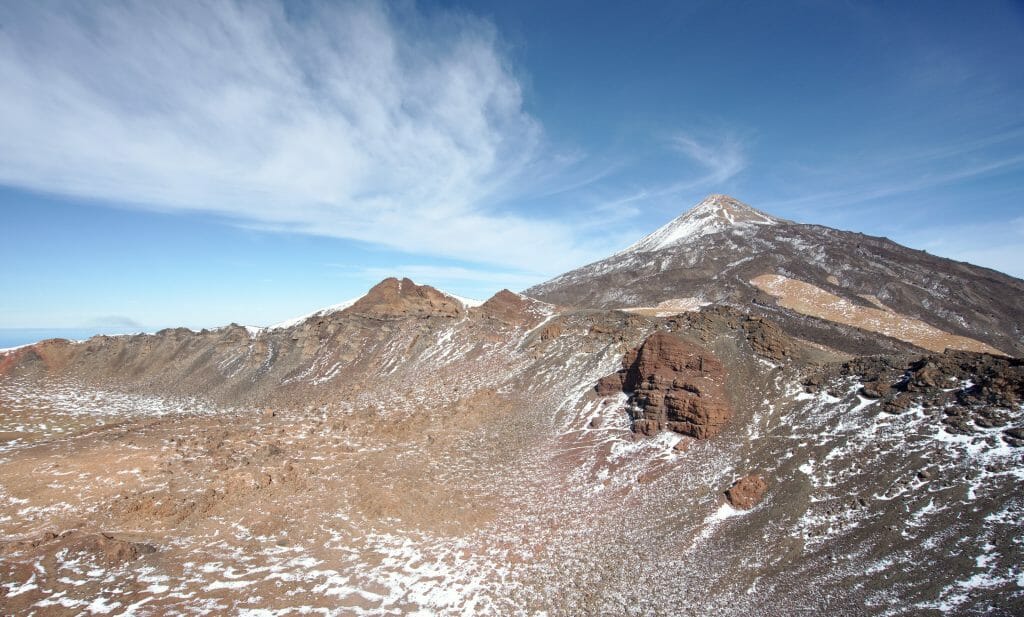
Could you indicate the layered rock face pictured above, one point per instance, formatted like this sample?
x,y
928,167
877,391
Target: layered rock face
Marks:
x,y
673,385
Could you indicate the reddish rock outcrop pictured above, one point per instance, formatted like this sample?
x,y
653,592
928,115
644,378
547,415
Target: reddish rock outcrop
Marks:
x,y
393,298
551,332
508,307
514,309
54,355
673,385
746,492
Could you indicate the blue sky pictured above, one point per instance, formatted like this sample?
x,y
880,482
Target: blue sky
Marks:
x,y
202,163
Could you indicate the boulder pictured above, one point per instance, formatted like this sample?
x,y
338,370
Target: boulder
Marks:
x,y
876,389
746,492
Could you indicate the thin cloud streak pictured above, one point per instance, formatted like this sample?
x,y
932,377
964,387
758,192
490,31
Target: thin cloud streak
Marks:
x,y
357,121
722,160
878,184
115,321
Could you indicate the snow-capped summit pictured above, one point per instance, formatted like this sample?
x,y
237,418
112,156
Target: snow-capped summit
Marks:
x,y
714,214
725,252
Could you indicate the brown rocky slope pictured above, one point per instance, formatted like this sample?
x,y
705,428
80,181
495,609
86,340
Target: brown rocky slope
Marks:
x,y
412,454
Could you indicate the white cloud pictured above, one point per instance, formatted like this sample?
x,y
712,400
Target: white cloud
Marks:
x,y
360,120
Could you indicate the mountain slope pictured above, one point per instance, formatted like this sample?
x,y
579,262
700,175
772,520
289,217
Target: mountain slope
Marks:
x,y
716,252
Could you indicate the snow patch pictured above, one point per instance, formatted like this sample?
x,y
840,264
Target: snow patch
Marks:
x,y
290,323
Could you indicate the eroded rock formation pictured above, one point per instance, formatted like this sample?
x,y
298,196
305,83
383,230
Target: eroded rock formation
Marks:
x,y
673,385
976,391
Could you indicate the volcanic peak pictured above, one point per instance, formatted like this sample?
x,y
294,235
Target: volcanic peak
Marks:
x,y
714,214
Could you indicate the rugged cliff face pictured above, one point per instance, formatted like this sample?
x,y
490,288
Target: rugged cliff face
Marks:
x,y
673,385
411,452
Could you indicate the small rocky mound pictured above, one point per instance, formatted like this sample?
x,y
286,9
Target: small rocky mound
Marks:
x,y
510,308
765,338
393,298
673,385
746,492
98,547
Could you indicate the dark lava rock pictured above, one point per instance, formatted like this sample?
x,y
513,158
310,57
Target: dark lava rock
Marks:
x,y
994,385
1016,443
958,425
876,389
1016,432
991,417
899,404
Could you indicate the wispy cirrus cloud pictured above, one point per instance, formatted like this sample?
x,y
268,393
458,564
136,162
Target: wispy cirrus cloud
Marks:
x,y
355,120
721,158
718,157
894,174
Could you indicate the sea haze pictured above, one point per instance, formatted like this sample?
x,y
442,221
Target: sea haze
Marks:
x,y
14,337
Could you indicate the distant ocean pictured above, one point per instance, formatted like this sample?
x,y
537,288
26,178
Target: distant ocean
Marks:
x,y
14,337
